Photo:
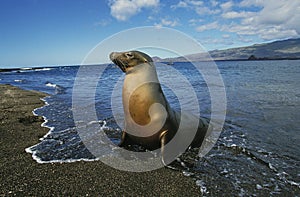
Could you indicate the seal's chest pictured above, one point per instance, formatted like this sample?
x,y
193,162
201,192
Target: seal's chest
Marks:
x,y
140,101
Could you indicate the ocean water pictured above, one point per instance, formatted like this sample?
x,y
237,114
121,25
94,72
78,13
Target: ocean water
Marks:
x,y
257,153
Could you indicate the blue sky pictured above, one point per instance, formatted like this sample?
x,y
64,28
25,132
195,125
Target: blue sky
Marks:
x,y
62,32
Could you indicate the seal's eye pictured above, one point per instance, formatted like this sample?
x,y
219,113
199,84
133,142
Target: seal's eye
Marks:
x,y
129,55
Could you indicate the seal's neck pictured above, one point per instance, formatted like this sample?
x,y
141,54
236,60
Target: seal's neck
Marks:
x,y
142,73
140,68
139,76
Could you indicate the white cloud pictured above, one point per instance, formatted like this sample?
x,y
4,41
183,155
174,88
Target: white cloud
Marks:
x,y
277,33
265,32
166,22
195,3
245,39
169,22
122,10
226,36
214,3
249,3
277,19
197,6
180,4
210,26
206,11
227,6
279,12
193,21
209,40
187,4
234,14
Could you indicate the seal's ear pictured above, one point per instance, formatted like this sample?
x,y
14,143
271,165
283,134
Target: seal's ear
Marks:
x,y
145,60
129,55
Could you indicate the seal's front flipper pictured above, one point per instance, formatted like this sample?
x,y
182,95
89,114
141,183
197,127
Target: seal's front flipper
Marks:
x,y
124,139
164,156
163,142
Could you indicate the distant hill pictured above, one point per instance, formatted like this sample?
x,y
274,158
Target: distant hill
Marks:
x,y
283,49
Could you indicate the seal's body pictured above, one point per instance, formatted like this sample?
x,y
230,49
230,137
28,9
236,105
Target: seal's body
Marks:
x,y
149,119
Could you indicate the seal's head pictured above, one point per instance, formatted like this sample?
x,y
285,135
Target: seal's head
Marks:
x,y
130,59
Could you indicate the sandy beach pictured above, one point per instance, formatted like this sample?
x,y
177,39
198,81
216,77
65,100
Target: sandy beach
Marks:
x,y
21,175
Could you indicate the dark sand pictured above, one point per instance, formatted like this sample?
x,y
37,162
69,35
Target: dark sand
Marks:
x,y
22,176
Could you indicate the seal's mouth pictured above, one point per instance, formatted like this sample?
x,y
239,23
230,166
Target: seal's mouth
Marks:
x,y
114,58
121,65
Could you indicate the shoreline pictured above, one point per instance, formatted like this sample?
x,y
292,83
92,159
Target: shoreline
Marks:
x,y
33,68
22,175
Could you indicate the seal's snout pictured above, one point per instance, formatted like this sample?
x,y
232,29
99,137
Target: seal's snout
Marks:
x,y
115,58
112,56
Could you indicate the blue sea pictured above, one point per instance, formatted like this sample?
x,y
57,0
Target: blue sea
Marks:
x,y
257,153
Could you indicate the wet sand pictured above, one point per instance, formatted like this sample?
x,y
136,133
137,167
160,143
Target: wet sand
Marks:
x,y
22,176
